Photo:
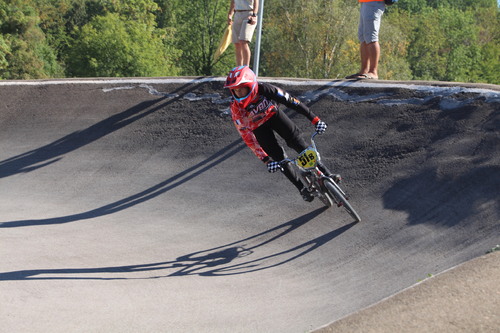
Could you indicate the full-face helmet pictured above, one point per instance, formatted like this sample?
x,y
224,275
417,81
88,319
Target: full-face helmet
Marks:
x,y
242,76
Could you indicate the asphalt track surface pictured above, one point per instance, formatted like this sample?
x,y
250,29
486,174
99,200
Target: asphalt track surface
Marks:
x,y
133,205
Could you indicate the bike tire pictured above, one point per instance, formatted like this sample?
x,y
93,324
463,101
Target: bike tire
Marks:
x,y
326,198
341,199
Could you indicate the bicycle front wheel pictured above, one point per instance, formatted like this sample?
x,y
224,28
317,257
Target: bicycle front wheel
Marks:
x,y
326,198
341,199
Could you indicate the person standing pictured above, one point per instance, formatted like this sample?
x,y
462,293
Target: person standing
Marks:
x,y
242,16
371,12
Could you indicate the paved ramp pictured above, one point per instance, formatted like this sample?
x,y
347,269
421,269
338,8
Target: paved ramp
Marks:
x,y
133,205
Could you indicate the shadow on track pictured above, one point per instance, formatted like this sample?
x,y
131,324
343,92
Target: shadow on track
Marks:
x,y
152,192
445,200
54,151
230,259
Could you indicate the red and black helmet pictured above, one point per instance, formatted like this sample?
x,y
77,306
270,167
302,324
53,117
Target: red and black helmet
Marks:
x,y
242,76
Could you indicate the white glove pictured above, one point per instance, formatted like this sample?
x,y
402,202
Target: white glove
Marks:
x,y
321,127
273,166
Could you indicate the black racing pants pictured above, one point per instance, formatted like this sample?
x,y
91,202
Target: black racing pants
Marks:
x,y
288,130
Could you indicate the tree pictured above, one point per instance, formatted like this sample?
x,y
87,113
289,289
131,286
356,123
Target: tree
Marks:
x,y
319,40
111,46
4,51
199,26
452,40
24,51
306,39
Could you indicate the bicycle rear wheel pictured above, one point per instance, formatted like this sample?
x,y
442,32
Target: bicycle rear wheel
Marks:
x,y
341,199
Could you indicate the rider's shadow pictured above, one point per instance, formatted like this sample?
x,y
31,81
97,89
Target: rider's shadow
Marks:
x,y
55,151
230,259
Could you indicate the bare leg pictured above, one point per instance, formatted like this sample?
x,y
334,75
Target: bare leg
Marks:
x,y
243,53
374,56
365,60
370,55
238,54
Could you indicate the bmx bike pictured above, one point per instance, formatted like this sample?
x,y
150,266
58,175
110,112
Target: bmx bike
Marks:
x,y
319,185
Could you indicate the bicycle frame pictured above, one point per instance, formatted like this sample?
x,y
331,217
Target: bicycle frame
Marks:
x,y
312,178
319,185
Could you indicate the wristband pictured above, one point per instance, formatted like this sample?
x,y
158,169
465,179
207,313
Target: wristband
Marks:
x,y
315,120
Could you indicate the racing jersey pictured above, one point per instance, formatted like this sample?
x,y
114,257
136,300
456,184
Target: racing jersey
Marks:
x,y
264,106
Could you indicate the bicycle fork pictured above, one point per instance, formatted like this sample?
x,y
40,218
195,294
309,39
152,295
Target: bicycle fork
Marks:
x,y
310,179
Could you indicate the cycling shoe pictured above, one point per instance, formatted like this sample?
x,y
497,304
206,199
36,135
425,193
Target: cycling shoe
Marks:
x,y
306,195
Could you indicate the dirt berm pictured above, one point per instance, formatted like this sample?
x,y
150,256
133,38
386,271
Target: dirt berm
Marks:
x,y
132,205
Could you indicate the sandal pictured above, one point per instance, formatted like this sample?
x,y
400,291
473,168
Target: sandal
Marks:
x,y
353,76
366,77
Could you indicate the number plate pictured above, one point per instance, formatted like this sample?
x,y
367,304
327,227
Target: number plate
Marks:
x,y
307,159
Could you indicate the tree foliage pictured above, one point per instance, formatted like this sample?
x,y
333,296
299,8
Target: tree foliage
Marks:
x,y
24,51
111,46
199,26
449,40
307,38
319,39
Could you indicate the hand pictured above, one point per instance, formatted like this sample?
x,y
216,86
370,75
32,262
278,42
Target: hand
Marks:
x,y
273,166
321,127
252,20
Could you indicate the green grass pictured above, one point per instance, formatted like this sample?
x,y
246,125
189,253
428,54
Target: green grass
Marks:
x,y
496,248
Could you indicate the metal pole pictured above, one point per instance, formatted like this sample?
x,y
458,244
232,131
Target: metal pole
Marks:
x,y
256,57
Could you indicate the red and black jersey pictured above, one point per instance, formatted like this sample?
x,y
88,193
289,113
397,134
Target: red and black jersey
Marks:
x,y
260,110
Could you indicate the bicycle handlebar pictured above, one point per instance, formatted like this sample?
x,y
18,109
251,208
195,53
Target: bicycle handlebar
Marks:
x,y
287,160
